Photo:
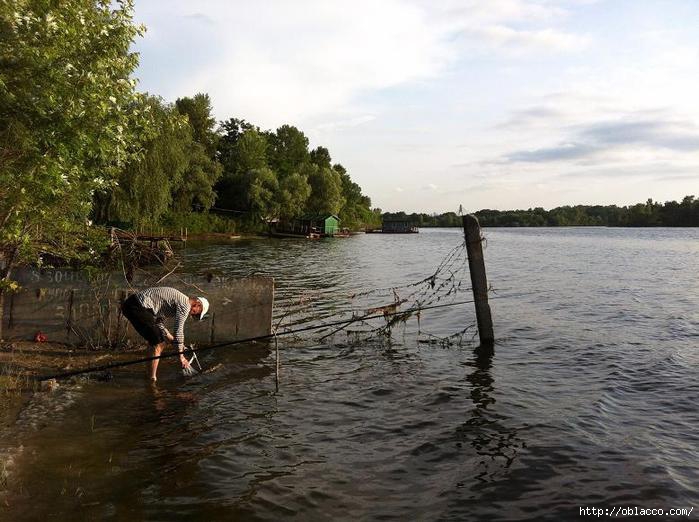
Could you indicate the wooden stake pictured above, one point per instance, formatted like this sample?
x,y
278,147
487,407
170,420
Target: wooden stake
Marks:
x,y
276,356
479,282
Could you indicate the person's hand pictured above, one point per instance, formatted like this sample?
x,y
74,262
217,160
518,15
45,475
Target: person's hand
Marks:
x,y
169,337
187,369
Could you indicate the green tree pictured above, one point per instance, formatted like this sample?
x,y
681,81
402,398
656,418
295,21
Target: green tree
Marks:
x,y
354,203
293,195
195,191
145,187
321,156
248,152
196,188
229,131
689,212
198,111
261,188
69,118
644,214
326,190
288,150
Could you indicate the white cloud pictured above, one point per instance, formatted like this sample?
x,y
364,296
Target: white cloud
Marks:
x,y
521,41
345,123
293,62
479,12
288,61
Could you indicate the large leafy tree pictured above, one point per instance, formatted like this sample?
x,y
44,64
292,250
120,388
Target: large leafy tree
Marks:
x,y
146,185
68,115
248,152
321,157
355,207
198,111
288,150
326,190
293,195
229,131
261,187
196,187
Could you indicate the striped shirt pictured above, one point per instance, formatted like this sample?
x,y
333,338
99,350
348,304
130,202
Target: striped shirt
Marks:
x,y
167,302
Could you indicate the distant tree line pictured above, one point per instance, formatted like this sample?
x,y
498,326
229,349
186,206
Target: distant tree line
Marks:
x,y
243,175
273,174
648,214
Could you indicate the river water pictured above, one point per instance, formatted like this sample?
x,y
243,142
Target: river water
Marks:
x,y
590,398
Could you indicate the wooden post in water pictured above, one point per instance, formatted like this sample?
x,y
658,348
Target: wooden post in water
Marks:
x,y
479,282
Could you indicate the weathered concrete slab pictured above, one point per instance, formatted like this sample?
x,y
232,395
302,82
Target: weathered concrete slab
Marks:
x,y
72,307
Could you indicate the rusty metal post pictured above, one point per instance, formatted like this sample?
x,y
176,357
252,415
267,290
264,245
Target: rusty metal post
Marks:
x,y
479,282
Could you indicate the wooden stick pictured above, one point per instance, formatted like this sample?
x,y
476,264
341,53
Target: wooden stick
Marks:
x,y
479,282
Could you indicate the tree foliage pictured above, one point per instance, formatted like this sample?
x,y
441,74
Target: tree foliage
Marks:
x,y
326,190
69,111
145,186
77,142
261,187
196,187
198,110
288,150
306,181
293,195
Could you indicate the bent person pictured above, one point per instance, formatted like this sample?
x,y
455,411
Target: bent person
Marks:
x,y
147,310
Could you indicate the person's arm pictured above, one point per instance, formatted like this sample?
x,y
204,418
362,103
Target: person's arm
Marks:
x,y
180,318
160,323
166,333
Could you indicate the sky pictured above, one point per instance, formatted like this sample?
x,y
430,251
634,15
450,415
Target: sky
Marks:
x,y
500,104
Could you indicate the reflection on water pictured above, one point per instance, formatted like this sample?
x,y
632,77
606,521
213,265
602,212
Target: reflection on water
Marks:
x,y
486,431
588,399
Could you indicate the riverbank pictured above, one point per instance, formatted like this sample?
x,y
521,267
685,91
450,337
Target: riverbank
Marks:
x,y
209,236
23,362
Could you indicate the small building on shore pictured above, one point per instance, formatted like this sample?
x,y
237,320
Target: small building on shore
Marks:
x,y
399,227
308,226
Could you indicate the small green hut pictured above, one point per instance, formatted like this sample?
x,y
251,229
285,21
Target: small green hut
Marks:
x,y
309,226
330,225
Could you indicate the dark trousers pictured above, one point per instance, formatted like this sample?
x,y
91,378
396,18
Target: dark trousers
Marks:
x,y
143,320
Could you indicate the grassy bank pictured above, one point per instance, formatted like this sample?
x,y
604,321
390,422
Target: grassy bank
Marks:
x,y
22,362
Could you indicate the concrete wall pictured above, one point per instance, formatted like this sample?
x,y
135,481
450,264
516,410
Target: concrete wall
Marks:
x,y
69,307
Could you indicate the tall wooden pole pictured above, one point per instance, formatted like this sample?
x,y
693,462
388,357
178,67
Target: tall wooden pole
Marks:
x,y
479,282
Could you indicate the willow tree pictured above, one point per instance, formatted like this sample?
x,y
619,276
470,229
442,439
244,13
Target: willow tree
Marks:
x,y
196,189
288,150
144,189
66,122
247,152
326,190
293,195
261,187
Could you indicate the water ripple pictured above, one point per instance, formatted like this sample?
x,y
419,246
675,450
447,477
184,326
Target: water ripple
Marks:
x,y
589,400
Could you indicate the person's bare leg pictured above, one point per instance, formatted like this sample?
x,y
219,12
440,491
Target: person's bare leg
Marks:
x,y
155,352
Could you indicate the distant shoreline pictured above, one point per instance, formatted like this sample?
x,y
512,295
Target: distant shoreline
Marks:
x,y
564,226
